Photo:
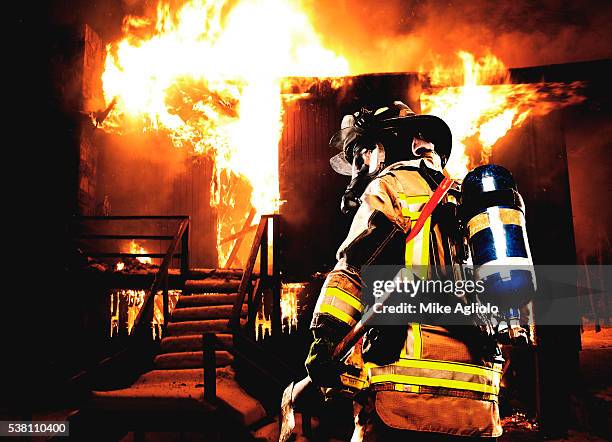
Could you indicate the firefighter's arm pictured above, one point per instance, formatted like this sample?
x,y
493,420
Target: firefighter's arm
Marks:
x,y
339,306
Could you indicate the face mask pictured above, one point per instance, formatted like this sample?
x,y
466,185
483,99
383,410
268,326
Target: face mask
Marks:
x,y
425,150
360,178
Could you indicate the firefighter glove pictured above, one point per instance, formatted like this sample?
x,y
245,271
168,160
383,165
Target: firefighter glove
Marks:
x,y
321,367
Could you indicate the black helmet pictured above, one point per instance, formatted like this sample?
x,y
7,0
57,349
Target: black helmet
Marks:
x,y
364,128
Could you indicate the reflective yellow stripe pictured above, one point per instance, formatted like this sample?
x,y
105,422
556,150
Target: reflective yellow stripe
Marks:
x,y
416,334
408,255
416,350
411,205
410,214
425,243
337,313
435,382
346,297
414,199
490,373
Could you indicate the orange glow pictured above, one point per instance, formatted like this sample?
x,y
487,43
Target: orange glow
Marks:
x,y
133,300
209,75
480,106
137,248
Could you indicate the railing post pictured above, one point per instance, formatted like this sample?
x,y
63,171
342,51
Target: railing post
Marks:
x,y
275,281
209,366
185,251
263,253
165,300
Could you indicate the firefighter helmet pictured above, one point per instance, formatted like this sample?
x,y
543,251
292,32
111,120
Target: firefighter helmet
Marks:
x,y
391,126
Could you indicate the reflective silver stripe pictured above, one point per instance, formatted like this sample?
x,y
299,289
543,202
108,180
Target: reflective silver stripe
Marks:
x,y
430,373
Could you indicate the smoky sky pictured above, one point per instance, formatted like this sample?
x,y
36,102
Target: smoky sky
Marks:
x,y
408,35
401,35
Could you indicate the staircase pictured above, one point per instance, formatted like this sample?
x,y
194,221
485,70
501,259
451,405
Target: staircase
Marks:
x,y
205,306
176,381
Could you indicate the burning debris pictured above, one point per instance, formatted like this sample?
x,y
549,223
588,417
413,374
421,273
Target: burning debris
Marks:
x,y
137,265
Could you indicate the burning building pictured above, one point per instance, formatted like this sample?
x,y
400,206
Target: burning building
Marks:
x,y
222,112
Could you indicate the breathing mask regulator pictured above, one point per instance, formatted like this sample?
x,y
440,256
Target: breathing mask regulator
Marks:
x,y
366,165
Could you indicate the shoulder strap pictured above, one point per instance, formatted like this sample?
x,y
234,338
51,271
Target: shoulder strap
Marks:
x,y
429,207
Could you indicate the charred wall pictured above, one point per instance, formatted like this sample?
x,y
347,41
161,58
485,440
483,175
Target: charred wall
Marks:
x,y
76,91
131,174
143,174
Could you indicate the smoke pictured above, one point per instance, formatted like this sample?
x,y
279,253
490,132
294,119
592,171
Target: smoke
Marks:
x,y
588,145
412,35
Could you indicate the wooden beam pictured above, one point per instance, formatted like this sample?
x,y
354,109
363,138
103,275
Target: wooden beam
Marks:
x,y
236,247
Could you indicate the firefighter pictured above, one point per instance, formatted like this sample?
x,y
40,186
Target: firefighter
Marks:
x,y
427,381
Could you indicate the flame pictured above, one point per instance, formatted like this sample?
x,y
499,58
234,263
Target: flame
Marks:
x,y
134,300
289,304
485,106
137,248
209,76
120,266
263,325
289,311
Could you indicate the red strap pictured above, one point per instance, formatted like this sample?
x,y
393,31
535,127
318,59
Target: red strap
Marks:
x,y
429,207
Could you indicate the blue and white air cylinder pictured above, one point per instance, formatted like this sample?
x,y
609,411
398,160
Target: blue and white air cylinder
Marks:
x,y
493,214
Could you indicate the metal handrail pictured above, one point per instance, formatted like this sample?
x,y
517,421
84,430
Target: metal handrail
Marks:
x,y
96,236
265,361
247,275
161,277
260,244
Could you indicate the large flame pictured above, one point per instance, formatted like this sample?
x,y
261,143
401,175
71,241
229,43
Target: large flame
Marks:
x,y
480,105
209,75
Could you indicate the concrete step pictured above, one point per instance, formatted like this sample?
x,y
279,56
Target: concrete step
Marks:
x,y
206,312
190,359
215,273
175,390
196,327
212,285
174,344
207,299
